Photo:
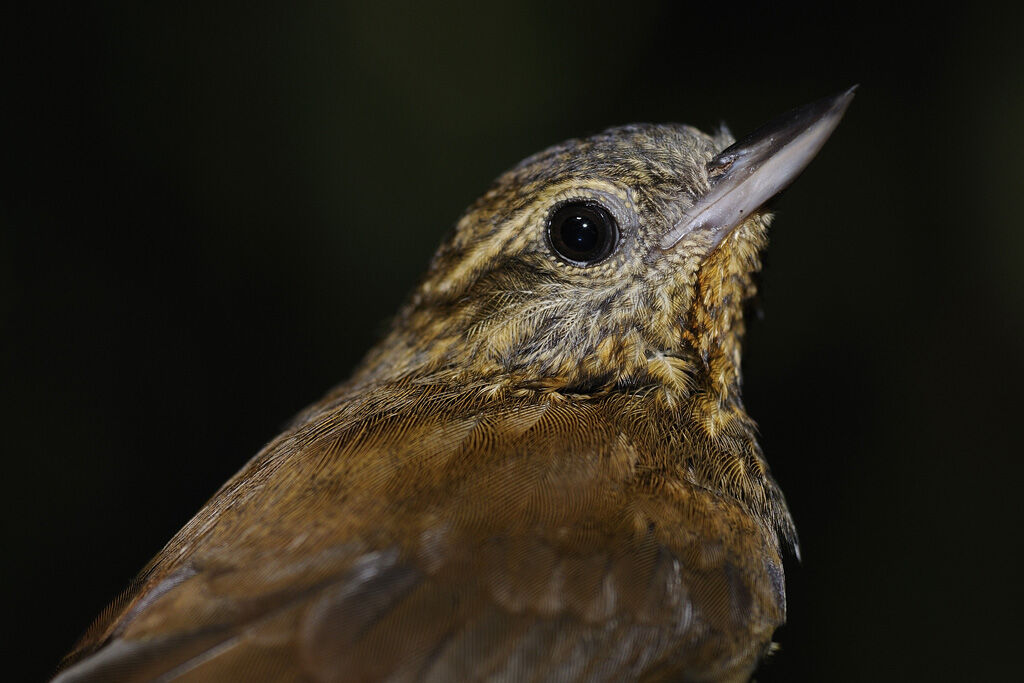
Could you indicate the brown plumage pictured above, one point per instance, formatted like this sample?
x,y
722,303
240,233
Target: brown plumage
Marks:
x,y
544,471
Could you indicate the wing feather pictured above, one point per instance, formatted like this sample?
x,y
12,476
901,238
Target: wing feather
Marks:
x,y
515,540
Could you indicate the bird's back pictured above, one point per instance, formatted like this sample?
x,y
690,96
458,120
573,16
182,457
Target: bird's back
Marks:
x,y
544,471
422,531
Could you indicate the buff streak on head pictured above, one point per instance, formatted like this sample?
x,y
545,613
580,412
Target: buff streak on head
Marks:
x,y
663,310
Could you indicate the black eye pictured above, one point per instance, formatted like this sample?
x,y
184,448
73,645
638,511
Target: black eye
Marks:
x,y
583,233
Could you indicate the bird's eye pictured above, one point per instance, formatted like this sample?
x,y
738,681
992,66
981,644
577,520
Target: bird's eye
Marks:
x,y
582,232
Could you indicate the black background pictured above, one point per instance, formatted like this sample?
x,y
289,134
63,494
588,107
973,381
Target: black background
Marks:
x,y
210,211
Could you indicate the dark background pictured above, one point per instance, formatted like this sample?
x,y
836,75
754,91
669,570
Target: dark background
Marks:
x,y
210,211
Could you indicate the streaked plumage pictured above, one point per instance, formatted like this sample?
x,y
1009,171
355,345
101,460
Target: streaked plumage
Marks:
x,y
543,472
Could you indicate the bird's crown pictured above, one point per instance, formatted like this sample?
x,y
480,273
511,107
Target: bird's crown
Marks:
x,y
618,262
556,279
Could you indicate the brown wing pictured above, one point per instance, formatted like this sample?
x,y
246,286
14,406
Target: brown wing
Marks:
x,y
520,540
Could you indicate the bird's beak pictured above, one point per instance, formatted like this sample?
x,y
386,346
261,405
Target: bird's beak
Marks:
x,y
748,173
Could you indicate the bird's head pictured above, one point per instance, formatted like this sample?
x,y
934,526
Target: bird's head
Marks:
x,y
617,261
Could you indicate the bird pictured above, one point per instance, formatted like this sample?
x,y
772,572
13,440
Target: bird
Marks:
x,y
543,471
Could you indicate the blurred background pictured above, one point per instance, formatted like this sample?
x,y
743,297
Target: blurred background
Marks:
x,y
210,210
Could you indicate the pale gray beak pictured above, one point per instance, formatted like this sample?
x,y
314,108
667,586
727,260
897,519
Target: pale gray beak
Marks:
x,y
748,173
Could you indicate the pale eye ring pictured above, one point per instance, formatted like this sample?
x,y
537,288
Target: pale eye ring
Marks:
x,y
582,232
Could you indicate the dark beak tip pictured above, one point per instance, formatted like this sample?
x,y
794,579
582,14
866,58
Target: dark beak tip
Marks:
x,y
784,128
751,171
842,100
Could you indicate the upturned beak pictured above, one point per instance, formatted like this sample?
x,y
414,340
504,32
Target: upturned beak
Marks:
x,y
748,173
